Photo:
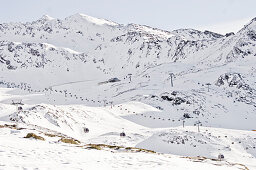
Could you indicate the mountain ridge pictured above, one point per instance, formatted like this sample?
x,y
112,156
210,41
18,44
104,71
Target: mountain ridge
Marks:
x,y
70,50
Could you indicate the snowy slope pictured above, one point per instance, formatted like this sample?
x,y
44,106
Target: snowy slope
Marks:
x,y
51,154
106,124
63,72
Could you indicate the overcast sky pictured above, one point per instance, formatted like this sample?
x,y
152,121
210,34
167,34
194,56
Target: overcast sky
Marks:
x,y
216,15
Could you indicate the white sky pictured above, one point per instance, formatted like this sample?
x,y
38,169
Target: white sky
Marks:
x,y
225,27
215,15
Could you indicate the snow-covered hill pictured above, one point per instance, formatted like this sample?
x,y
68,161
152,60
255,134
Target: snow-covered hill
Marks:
x,y
52,154
88,72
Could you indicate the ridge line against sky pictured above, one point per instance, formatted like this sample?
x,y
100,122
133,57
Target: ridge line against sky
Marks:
x,y
219,16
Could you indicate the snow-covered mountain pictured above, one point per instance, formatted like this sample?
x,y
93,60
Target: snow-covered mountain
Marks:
x,y
66,71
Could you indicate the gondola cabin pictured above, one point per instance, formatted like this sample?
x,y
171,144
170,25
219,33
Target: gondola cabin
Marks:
x,y
86,130
220,157
20,109
122,134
